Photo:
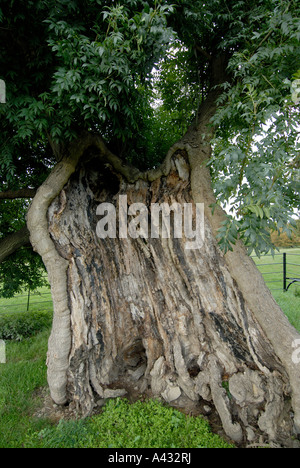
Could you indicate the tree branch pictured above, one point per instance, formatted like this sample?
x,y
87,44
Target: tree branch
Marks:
x,y
55,147
13,242
88,140
13,194
203,52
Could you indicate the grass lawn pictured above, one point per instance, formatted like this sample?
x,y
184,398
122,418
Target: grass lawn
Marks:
x,y
25,373
38,301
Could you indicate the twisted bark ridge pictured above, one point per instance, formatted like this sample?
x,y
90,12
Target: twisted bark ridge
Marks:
x,y
149,316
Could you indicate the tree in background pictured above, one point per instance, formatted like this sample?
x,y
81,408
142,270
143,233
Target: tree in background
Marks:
x,y
97,93
281,239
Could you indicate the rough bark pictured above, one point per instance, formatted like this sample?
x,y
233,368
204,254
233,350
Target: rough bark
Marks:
x,y
132,316
149,316
243,270
56,265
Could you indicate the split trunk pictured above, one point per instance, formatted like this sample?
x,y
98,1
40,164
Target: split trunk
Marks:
x,y
193,327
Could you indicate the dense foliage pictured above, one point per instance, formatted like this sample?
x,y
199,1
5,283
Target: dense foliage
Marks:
x,y
16,326
257,138
83,66
24,269
136,72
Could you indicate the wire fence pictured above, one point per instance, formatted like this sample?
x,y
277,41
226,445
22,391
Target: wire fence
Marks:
x,y
283,270
28,301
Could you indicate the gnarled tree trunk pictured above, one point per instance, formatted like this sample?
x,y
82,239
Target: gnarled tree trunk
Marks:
x,y
193,327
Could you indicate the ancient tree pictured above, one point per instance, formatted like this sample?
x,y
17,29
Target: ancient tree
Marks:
x,y
102,92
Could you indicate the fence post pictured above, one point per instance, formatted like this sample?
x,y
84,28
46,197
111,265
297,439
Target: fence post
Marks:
x,y
28,300
284,272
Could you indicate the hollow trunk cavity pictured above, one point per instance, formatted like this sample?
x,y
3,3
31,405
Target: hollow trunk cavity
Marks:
x,y
151,316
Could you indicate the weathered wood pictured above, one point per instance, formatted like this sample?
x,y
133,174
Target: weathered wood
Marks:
x,y
149,316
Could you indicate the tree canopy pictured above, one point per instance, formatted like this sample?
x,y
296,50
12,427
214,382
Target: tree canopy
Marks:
x,y
136,72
